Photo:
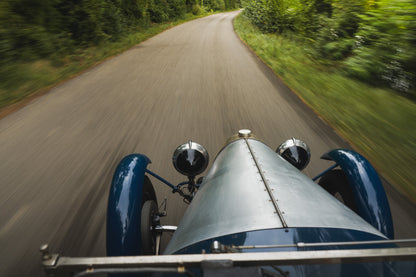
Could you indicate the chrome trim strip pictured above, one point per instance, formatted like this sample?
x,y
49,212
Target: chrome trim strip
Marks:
x,y
266,184
89,272
322,244
166,228
67,265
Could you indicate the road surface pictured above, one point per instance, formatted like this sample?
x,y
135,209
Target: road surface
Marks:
x,y
195,81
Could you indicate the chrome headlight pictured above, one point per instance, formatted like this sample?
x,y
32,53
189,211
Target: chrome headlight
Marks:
x,y
295,152
190,159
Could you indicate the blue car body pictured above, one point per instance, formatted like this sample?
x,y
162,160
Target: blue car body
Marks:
x,y
253,200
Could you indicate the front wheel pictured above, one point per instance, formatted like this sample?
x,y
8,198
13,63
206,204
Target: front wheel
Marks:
x,y
336,183
149,219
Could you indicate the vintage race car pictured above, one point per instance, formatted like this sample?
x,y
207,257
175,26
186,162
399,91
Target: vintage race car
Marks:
x,y
253,214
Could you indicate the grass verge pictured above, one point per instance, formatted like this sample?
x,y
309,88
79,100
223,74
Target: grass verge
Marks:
x,y
23,79
379,123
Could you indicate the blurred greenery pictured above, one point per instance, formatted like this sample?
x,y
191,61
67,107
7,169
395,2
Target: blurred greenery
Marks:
x,y
375,40
45,41
380,123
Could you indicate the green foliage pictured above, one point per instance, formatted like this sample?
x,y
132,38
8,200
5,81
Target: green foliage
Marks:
x,y
335,37
197,10
165,10
372,119
23,33
108,22
20,78
132,11
221,5
53,33
189,5
158,11
176,9
217,5
375,40
34,29
385,46
267,15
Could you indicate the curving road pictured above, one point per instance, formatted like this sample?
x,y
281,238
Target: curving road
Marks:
x,y
195,81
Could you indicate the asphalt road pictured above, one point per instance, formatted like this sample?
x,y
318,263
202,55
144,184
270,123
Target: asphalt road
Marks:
x,y
195,81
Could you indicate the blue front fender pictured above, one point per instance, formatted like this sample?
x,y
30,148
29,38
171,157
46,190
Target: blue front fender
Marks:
x,y
369,195
124,207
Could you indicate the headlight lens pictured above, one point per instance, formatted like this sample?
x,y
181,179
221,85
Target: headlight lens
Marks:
x,y
190,159
295,152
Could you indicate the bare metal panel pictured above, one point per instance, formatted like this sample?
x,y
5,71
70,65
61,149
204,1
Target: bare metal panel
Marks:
x,y
303,202
234,198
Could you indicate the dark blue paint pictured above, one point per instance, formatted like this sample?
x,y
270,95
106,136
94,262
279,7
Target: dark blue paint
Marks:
x,y
369,195
124,207
288,236
312,235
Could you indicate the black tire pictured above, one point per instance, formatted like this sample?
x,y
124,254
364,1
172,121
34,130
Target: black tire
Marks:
x,y
148,191
148,235
336,183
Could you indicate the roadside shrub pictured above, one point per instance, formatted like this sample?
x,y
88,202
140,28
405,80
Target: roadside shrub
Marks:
x,y
232,4
217,5
265,14
329,43
384,49
334,38
158,11
197,10
111,25
176,8
132,11
22,36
